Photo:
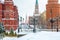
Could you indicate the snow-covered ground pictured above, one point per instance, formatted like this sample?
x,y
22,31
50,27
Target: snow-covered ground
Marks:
x,y
37,36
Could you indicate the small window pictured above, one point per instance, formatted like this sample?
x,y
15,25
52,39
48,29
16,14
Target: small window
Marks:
x,y
7,16
7,8
7,23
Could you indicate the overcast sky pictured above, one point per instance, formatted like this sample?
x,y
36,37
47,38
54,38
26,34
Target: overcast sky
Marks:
x,y
27,7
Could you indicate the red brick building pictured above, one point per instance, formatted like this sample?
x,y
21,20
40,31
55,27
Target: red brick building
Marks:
x,y
9,14
53,12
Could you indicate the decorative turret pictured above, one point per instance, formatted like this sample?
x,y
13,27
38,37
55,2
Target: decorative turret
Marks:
x,y
1,1
52,1
8,1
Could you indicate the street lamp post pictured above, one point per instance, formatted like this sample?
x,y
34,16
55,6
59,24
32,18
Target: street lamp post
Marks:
x,y
52,21
18,30
34,30
57,24
35,21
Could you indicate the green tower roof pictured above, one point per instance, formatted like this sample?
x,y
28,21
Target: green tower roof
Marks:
x,y
36,1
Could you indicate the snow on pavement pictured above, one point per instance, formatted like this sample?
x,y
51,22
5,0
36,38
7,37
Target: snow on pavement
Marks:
x,y
10,38
37,36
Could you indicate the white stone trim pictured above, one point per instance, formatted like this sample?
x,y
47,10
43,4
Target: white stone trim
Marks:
x,y
12,19
8,11
8,19
10,25
8,1
36,14
1,10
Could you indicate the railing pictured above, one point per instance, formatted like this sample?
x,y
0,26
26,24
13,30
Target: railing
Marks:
x,y
1,36
39,30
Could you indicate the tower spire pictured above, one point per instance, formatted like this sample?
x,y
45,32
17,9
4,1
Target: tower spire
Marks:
x,y
0,1
36,8
36,1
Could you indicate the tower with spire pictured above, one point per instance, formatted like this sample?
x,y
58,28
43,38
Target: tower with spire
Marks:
x,y
36,8
36,14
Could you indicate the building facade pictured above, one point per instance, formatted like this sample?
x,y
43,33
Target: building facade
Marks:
x,y
53,12
31,20
9,15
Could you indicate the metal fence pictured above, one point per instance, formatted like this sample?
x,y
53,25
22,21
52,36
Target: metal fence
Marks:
x,y
39,30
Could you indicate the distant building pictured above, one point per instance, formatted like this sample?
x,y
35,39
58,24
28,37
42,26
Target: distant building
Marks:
x,y
43,20
9,15
31,20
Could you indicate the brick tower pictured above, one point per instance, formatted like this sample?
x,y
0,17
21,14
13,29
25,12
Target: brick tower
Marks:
x,y
52,12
